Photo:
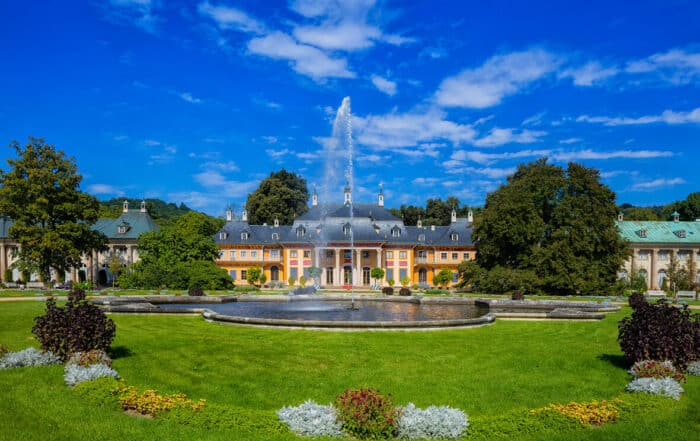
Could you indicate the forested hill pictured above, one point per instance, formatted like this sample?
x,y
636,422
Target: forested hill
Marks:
x,y
159,210
688,209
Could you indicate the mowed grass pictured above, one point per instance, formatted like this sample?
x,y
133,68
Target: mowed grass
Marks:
x,y
509,366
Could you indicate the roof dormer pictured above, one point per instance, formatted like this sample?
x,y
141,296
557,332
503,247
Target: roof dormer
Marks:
x,y
123,227
680,233
395,231
642,233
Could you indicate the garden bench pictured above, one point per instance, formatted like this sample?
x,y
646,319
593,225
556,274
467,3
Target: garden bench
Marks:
x,y
690,294
656,293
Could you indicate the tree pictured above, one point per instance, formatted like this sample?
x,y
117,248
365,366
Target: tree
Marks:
x,y
282,195
116,266
263,278
556,224
640,214
179,255
376,274
675,273
253,275
691,272
438,212
315,273
52,217
444,276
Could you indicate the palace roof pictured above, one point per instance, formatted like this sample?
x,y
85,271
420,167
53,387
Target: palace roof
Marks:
x,y
660,231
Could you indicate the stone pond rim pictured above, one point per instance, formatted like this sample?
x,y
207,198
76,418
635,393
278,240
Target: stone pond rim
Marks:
x,y
507,309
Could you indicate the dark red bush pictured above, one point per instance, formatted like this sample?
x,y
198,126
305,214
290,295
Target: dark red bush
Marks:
x,y
78,327
517,295
660,332
388,290
404,292
196,291
366,414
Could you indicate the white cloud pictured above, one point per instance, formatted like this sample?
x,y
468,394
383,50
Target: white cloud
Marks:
x,y
615,154
186,96
534,120
498,136
131,12
345,36
384,85
591,73
569,141
489,158
276,154
408,130
657,183
676,66
120,138
500,76
104,189
227,17
214,179
666,117
228,166
151,142
304,59
269,139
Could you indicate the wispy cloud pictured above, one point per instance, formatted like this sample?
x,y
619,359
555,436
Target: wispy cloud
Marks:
x,y
230,18
384,85
657,183
569,141
186,96
666,117
614,154
105,189
304,59
591,73
500,76
277,154
490,158
675,66
138,13
499,136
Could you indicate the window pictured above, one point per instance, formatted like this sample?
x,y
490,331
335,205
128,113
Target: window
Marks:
x,y
232,273
455,277
293,253
275,236
232,254
307,253
244,254
244,236
402,273
663,255
422,254
244,274
642,233
396,232
402,254
643,255
365,254
301,231
443,256
454,236
421,238
466,256
389,273
253,254
455,256
389,254
329,254
222,235
346,229
275,254
347,254
680,233
294,272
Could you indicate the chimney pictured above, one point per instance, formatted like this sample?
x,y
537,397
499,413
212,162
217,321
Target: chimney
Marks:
x,y
244,216
229,214
454,216
126,206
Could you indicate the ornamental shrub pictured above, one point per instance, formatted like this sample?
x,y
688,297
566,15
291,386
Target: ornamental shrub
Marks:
x,y
78,327
404,292
75,374
660,332
433,422
694,369
591,413
311,419
3,350
28,357
88,358
196,291
656,369
388,290
517,295
667,387
151,403
366,414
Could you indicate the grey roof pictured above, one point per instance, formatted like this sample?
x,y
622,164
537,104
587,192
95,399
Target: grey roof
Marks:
x,y
135,223
369,223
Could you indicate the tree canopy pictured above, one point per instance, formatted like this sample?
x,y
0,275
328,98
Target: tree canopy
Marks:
x,y
558,224
159,210
436,211
41,193
180,255
282,195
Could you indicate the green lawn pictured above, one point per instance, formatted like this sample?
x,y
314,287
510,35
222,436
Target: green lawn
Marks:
x,y
490,371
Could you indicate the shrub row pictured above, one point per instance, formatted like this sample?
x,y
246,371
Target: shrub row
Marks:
x,y
75,374
667,387
28,357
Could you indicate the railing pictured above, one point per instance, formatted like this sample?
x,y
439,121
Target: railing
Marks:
x,y
424,260
249,259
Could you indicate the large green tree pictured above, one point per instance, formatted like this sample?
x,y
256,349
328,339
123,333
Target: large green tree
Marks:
x,y
41,193
556,223
180,255
282,195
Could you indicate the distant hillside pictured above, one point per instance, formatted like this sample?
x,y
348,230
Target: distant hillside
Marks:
x,y
688,209
160,211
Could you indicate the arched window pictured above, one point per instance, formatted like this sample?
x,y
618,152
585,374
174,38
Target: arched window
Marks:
x,y
245,236
662,277
301,231
454,236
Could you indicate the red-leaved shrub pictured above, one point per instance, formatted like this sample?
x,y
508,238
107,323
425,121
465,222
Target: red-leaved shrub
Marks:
x,y
366,414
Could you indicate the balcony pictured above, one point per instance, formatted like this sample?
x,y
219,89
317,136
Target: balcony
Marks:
x,y
423,260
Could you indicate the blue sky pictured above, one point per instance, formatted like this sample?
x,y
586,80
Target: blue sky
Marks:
x,y
196,102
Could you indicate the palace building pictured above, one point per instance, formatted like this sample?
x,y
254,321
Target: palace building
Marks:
x,y
652,243
326,237
122,240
